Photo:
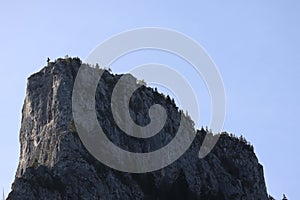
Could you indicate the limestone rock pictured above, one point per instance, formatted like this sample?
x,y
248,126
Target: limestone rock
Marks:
x,y
54,164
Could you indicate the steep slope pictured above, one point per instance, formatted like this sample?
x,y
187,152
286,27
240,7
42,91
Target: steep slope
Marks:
x,y
55,165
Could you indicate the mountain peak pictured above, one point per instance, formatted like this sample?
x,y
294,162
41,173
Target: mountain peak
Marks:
x,y
54,163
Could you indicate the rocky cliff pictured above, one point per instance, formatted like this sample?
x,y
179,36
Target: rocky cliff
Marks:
x,y
54,164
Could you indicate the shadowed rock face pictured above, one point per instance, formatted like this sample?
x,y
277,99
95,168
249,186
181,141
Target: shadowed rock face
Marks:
x,y
55,165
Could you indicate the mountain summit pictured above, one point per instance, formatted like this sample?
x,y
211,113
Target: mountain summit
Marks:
x,y
54,164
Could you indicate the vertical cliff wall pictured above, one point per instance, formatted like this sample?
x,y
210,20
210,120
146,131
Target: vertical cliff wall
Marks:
x,y
55,165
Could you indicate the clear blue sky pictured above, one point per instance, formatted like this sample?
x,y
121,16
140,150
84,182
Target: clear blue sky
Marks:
x,y
256,46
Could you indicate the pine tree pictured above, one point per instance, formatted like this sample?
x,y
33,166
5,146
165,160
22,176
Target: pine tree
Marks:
x,y
284,197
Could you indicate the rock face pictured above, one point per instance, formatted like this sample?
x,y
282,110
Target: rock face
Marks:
x,y
54,164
